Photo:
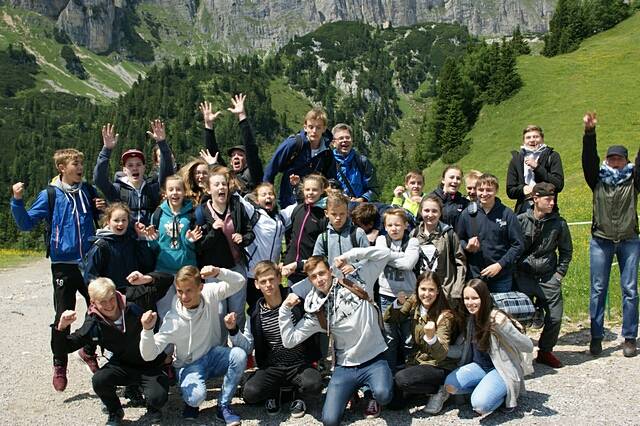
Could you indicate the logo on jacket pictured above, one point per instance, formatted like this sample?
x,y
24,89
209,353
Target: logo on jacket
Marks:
x,y
501,222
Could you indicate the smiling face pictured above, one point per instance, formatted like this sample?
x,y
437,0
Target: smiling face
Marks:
x,y
238,160
320,277
118,222
134,170
532,139
470,183
72,171
219,189
451,181
427,293
395,226
337,215
174,191
189,293
414,185
486,195
108,307
430,213
314,129
312,190
471,300
265,197
201,175
342,141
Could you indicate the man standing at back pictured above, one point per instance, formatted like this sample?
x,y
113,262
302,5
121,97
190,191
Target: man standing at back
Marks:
x,y
614,230
354,171
301,154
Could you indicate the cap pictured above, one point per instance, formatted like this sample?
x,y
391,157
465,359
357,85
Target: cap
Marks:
x,y
132,153
617,150
233,148
543,189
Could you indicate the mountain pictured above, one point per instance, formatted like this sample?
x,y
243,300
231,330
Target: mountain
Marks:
x,y
191,26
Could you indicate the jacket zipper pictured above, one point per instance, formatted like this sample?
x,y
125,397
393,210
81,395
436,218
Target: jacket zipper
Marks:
x,y
304,222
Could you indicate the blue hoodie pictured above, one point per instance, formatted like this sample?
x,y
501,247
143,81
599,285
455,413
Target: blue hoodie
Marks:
x,y
175,251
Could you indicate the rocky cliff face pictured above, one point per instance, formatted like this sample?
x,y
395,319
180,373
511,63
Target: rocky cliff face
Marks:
x,y
243,25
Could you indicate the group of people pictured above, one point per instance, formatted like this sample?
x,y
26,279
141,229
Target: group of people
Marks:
x,y
184,276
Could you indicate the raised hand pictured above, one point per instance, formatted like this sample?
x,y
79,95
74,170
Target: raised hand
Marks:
x,y
429,329
148,320
589,121
238,106
18,190
138,278
236,238
291,300
208,115
157,130
210,159
109,136
209,271
294,180
288,269
230,321
398,191
194,234
66,319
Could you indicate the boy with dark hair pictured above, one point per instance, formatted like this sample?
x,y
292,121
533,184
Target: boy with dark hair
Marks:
x,y
365,216
140,194
299,155
491,237
67,205
278,366
540,270
114,324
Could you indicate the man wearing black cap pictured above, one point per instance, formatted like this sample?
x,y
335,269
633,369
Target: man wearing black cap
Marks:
x,y
540,270
244,160
615,184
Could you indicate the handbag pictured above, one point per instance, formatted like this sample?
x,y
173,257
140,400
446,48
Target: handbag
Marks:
x,y
517,304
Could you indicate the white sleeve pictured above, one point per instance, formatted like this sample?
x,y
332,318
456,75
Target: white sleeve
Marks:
x,y
230,282
406,260
292,335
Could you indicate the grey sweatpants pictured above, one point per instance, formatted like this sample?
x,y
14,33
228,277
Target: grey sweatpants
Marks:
x,y
546,294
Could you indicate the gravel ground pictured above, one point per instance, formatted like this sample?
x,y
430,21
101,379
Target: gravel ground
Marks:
x,y
587,390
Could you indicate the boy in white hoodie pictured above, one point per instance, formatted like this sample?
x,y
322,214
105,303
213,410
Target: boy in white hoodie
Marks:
x,y
193,326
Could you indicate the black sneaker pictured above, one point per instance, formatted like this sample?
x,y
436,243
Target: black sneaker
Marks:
x,y
298,408
272,407
629,348
115,418
595,347
134,395
190,413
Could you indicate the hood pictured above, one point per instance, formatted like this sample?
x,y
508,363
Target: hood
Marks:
x,y
123,180
551,216
315,300
121,299
188,316
69,191
187,206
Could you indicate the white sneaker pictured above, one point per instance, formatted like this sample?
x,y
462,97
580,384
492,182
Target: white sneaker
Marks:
x,y
436,401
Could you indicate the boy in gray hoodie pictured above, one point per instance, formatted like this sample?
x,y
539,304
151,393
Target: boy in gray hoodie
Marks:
x,y
193,326
344,308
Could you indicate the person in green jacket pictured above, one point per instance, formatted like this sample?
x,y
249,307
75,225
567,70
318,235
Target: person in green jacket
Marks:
x,y
409,196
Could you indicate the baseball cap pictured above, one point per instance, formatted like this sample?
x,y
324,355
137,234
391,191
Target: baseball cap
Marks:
x,y
233,148
617,150
135,153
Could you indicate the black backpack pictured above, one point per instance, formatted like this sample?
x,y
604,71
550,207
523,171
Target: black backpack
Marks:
x,y
352,234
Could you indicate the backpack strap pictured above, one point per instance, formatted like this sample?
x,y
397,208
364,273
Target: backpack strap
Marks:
x,y
296,152
325,242
354,236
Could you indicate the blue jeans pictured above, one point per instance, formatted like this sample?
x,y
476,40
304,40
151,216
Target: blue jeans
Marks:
x,y
398,336
346,380
601,253
487,390
219,361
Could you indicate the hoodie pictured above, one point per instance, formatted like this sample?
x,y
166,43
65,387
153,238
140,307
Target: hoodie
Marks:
x,y
452,206
193,331
175,251
337,243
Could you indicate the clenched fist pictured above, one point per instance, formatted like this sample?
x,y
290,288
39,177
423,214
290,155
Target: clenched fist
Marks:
x,y
148,320
429,329
291,300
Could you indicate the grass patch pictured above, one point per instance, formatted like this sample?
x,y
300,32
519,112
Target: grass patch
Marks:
x,y
10,258
287,101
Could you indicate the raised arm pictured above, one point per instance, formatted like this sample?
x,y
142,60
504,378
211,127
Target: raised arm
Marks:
x,y
158,134
101,170
250,146
230,282
209,117
406,260
27,220
292,335
590,159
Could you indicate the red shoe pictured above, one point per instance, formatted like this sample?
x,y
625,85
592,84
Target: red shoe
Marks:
x,y
90,360
250,362
373,409
548,358
60,377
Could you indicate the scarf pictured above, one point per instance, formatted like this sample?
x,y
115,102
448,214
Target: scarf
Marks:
x,y
529,176
611,176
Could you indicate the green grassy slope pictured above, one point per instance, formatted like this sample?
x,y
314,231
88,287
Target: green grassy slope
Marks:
x,y
108,77
602,76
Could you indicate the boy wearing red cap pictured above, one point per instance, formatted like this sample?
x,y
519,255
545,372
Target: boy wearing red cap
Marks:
x,y
140,194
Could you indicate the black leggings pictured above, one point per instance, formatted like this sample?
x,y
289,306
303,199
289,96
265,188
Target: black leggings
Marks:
x,y
266,383
420,379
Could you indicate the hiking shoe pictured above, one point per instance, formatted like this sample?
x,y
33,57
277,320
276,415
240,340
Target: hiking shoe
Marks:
x,y
548,358
153,416
190,413
298,408
59,377
629,348
272,406
90,360
373,409
115,418
595,347
225,414
436,401
133,394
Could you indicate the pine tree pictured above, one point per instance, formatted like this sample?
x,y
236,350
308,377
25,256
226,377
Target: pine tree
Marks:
x,y
518,43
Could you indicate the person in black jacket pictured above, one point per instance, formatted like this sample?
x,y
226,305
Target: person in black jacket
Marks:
x,y
278,366
244,159
491,237
453,202
114,324
540,270
534,163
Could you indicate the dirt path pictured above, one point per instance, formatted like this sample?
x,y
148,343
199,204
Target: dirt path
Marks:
x,y
586,391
